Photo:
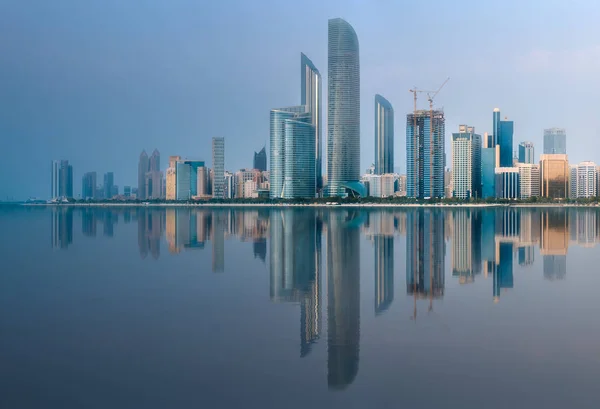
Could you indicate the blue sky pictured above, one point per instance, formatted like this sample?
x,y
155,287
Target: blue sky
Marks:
x,y
97,81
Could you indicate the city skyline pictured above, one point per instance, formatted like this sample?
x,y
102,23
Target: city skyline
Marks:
x,y
527,61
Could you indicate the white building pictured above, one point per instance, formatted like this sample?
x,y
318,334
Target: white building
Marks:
x,y
587,180
529,180
466,163
380,185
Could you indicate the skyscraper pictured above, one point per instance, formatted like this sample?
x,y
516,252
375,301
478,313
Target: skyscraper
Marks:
x,y
55,179
154,162
529,180
526,153
171,178
384,136
496,128
142,169
425,154
505,140
65,187
218,160
310,96
490,158
260,160
586,180
555,141
88,186
555,175
109,181
343,110
300,171
279,131
466,163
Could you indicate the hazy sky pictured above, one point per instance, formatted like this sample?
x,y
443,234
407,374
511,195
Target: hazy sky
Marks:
x,y
95,82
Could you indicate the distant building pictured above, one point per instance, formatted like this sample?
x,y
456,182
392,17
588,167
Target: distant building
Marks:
x,y
154,161
109,181
425,162
466,163
202,181
343,111
490,158
380,185
153,185
555,141
310,96
507,183
505,140
384,136
241,177
187,178
448,184
587,180
555,175
260,160
529,180
526,153
572,181
127,191
65,188
55,179
218,157
229,185
171,178
88,186
143,165
402,185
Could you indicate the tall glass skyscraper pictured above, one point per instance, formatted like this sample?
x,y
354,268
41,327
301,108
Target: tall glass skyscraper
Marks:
x,y
299,170
489,162
496,127
277,138
526,153
505,140
143,166
55,180
425,154
343,110
384,136
555,141
310,96
260,160
218,161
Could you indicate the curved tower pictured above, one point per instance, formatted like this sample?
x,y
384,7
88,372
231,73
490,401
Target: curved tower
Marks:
x,y
343,109
384,136
310,84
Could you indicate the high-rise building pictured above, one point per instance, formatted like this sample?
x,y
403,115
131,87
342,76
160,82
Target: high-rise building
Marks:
x,y
88,186
343,110
289,128
384,136
555,141
529,180
171,179
496,128
187,178
260,160
572,182
507,183
218,160
490,158
143,166
425,154
153,184
586,180
109,181
154,161
466,163
554,175
310,96
65,179
55,180
526,153
202,181
505,140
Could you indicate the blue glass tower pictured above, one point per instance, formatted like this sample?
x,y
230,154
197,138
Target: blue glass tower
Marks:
x,y
299,179
384,136
505,140
526,153
496,127
310,95
425,154
488,175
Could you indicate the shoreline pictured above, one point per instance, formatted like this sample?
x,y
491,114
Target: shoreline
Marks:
x,y
317,205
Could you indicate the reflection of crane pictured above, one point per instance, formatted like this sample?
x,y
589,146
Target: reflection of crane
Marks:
x,y
430,96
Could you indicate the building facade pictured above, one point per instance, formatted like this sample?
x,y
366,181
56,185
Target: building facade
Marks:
x,y
171,178
88,186
489,163
55,179
507,183
505,140
310,96
529,180
554,175
153,185
384,136
466,163
343,110
587,180
425,137
260,160
555,141
143,167
218,161
109,182
526,153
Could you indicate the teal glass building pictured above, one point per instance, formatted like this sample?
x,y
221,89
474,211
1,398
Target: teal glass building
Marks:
x,y
310,96
299,179
187,179
384,136
488,174
505,140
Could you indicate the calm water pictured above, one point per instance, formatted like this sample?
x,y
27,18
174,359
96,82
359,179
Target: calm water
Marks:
x,y
157,308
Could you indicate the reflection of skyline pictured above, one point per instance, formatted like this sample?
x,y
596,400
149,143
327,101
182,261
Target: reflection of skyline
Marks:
x,y
61,228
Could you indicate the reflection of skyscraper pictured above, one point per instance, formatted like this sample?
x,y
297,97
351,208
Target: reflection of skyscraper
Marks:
x,y
218,242
503,276
149,231
466,244
384,272
425,250
259,248
62,227
554,243
109,223
343,299
88,222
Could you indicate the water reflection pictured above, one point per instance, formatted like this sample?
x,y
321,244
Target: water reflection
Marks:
x,y
304,247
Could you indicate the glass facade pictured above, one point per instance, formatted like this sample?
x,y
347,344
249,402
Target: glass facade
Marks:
x,y
526,153
343,107
466,163
55,182
505,140
310,96
507,183
277,146
384,136
488,175
555,141
187,178
496,127
218,160
555,175
299,167
425,154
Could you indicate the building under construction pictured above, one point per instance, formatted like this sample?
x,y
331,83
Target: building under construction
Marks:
x,y
425,154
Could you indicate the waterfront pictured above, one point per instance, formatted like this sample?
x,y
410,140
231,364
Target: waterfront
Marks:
x,y
193,307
